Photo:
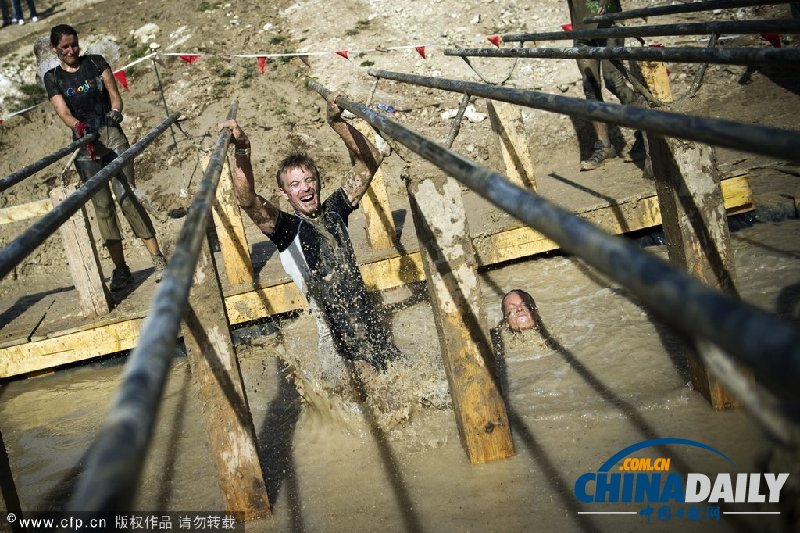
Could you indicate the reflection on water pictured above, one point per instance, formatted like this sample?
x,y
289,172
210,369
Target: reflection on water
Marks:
x,y
386,455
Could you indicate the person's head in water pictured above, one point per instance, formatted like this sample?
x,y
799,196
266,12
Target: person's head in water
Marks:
x,y
298,179
64,40
519,310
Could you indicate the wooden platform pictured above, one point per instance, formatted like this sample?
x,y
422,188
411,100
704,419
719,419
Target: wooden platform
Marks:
x,y
45,330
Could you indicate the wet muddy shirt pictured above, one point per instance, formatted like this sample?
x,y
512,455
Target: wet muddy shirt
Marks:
x,y
83,90
318,255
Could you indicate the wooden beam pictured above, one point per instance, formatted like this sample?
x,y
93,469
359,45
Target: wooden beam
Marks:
x,y
656,77
16,213
84,263
696,229
454,288
230,232
78,346
216,371
507,123
381,231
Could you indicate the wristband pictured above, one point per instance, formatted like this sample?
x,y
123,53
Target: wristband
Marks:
x,y
242,151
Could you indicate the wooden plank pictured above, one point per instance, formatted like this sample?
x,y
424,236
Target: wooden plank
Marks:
x,y
17,213
230,232
56,351
454,288
216,371
507,123
84,263
381,231
698,239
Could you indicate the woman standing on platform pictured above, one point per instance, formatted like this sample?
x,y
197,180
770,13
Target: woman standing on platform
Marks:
x,y
84,93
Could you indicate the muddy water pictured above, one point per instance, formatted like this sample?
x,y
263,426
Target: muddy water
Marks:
x,y
608,377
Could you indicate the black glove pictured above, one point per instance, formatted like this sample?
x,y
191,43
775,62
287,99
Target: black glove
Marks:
x,y
114,116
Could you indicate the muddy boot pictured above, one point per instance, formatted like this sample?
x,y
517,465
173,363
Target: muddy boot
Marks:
x,y
638,151
160,266
120,278
600,154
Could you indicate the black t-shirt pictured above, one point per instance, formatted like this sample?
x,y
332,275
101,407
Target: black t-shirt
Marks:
x,y
84,91
319,256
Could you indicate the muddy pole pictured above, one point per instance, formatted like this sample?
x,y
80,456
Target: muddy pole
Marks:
x,y
760,340
692,7
18,249
752,27
451,270
46,161
114,464
739,136
779,57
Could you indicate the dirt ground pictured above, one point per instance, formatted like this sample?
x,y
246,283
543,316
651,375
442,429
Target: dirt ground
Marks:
x,y
281,115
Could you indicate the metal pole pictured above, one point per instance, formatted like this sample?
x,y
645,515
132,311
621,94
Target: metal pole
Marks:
x,y
681,8
747,137
18,249
164,100
46,161
765,343
788,57
113,467
695,28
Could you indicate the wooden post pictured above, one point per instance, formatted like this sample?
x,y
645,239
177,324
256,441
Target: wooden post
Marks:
x,y
507,124
230,231
454,287
216,370
655,75
695,225
84,264
381,232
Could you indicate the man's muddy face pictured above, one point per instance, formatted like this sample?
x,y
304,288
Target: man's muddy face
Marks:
x,y
301,188
517,313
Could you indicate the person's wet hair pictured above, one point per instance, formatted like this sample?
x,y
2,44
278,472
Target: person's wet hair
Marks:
x,y
296,160
57,32
527,299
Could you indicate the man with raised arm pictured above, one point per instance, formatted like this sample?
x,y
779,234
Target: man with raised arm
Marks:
x,y
314,243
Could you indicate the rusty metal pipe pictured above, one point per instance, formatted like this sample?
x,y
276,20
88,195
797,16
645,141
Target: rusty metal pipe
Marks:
x,y
46,161
661,30
672,9
786,57
746,137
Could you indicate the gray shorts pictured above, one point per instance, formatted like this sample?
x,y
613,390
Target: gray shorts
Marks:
x,y
112,141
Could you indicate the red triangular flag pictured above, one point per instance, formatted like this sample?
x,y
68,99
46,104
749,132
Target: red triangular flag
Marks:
x,y
122,79
190,58
262,61
495,40
773,38
421,51
343,53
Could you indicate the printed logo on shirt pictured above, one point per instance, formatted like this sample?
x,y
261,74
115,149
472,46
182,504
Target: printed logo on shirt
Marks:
x,y
85,87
